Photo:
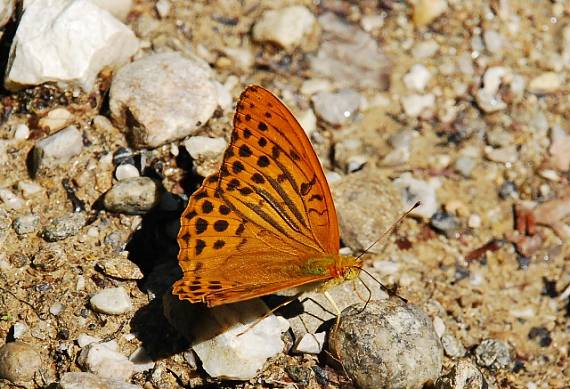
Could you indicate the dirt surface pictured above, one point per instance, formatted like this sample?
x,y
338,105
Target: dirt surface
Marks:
x,y
506,277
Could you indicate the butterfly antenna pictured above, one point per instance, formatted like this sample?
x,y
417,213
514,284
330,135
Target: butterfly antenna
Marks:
x,y
390,230
390,291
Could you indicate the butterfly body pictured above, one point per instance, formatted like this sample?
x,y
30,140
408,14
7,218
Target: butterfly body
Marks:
x,y
266,222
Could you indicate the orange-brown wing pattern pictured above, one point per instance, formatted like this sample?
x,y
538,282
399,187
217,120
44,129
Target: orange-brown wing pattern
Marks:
x,y
251,227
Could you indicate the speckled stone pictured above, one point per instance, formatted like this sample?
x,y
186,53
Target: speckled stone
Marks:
x,y
390,345
18,362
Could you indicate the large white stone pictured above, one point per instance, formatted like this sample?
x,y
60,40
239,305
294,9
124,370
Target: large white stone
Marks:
x,y
118,8
163,97
67,41
239,355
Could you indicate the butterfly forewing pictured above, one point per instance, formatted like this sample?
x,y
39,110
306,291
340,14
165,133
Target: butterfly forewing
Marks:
x,y
251,228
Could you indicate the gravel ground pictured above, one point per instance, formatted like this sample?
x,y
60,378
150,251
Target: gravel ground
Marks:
x,y
461,104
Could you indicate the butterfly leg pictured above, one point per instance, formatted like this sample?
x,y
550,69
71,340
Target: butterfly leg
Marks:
x,y
336,308
271,312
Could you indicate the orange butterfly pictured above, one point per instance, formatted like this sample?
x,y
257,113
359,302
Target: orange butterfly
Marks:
x,y
266,221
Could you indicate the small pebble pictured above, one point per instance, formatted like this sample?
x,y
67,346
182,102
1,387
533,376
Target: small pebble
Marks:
x,y
464,165
55,120
508,189
413,190
26,224
112,301
446,223
545,83
163,8
414,105
10,199
494,354
64,227
22,132
438,326
203,146
104,360
452,346
417,78
76,380
29,188
119,267
56,308
426,11
308,120
390,344
494,41
18,362
50,257
287,27
474,221
134,196
464,375
19,329
425,49
541,335
402,138
57,149
310,343
126,170
489,102
337,108
507,154
315,85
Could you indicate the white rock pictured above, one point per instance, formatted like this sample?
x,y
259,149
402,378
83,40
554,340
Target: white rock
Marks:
x,y
234,356
56,309
494,41
240,56
163,8
105,361
372,22
425,11
507,154
414,190
58,148
414,105
438,326
141,360
56,119
126,170
417,78
78,380
21,132
69,41
547,82
425,49
310,343
337,108
84,340
10,199
19,329
29,188
118,8
166,95
488,102
225,99
203,146
6,11
474,221
308,120
286,27
493,78
112,301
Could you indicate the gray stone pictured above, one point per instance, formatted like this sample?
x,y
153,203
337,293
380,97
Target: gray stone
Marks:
x,y
64,227
391,344
464,165
337,108
112,301
18,362
134,196
446,223
162,97
355,196
494,354
26,224
463,375
452,346
57,149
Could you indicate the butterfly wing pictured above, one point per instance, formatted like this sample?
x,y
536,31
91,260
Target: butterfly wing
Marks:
x,y
251,228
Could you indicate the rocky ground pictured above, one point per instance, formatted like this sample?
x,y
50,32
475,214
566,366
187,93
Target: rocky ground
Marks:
x,y
463,105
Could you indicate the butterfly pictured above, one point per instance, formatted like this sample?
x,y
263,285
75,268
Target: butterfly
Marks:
x,y
266,221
